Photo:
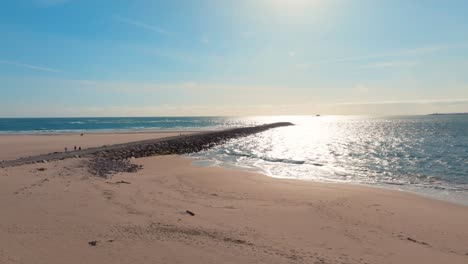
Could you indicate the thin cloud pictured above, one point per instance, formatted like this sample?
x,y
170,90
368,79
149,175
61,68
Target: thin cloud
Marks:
x,y
145,26
29,66
383,55
389,64
204,39
421,101
148,87
406,52
173,55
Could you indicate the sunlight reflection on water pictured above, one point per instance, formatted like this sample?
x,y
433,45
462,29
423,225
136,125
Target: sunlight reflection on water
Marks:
x,y
422,153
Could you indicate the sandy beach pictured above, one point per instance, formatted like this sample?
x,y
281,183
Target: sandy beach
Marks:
x,y
16,145
173,212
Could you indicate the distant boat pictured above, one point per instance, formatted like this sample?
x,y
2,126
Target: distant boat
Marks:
x,y
317,115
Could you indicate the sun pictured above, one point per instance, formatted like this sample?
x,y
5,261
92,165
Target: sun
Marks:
x,y
293,3
294,7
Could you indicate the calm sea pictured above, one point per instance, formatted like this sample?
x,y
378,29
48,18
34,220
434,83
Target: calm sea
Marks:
x,y
425,154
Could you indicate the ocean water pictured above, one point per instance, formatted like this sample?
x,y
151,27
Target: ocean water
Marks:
x,y
424,154
106,124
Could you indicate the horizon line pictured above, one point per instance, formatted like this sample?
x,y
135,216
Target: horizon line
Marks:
x,y
189,116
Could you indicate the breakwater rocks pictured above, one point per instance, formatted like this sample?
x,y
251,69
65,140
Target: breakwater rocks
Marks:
x,y
184,144
104,167
106,160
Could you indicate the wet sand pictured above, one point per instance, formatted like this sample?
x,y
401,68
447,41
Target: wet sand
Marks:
x,y
51,212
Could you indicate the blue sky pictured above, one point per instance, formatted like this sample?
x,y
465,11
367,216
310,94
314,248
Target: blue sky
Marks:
x,y
232,57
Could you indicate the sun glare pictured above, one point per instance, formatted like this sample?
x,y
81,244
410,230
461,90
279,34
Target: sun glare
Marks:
x,y
293,3
293,7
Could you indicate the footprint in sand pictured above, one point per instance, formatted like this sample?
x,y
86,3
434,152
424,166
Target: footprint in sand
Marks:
x,y
109,194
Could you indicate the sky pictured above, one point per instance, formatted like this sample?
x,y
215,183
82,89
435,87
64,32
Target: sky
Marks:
x,y
232,57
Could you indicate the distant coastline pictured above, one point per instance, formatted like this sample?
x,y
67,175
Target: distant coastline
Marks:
x,y
449,113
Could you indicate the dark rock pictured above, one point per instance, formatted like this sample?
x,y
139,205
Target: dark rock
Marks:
x,y
123,182
103,167
236,241
92,243
416,241
190,213
114,159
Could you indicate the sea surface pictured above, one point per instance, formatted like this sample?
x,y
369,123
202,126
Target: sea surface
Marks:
x,y
424,154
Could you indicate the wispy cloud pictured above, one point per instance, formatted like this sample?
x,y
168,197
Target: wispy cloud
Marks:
x,y
402,107
389,64
145,26
191,86
133,87
172,55
391,54
420,101
29,66
204,39
381,55
183,56
212,98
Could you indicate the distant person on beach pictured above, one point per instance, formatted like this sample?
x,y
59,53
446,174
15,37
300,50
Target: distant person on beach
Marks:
x,y
75,148
66,149
79,149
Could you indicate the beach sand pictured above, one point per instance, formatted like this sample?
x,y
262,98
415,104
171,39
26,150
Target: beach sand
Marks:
x,y
50,212
15,146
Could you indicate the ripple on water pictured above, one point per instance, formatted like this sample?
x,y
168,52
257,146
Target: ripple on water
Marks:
x,y
424,154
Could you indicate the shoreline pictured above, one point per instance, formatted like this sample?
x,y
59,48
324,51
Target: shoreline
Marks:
x,y
173,211
128,137
452,196
351,185
421,191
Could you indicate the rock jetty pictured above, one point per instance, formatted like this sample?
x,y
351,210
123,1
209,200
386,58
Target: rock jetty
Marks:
x,y
106,160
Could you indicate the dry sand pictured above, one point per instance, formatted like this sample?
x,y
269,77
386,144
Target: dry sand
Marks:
x,y
16,146
49,213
